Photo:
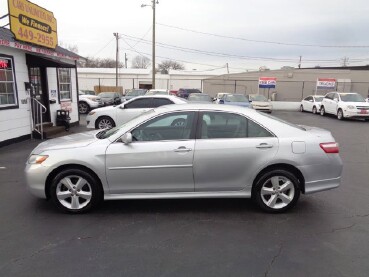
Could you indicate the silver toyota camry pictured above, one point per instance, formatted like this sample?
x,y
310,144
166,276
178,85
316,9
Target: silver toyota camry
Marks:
x,y
187,151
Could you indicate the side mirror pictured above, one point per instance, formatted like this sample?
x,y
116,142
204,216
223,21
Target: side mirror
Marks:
x,y
221,101
126,138
122,106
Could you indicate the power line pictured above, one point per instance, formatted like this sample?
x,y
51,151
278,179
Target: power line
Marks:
x,y
263,41
103,47
218,54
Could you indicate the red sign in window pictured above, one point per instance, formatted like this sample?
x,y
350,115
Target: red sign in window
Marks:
x,y
4,63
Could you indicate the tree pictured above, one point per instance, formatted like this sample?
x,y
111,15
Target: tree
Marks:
x,y
100,62
140,62
164,66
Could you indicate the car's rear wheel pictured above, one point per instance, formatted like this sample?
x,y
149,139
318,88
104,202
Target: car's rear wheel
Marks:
x,y
315,111
105,122
276,191
301,108
340,115
322,110
83,107
75,191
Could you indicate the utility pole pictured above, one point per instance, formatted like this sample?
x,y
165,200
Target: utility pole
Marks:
x,y
125,59
153,42
227,68
153,6
116,59
300,61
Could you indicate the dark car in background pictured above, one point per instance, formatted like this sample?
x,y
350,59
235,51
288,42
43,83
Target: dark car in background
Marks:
x,y
110,98
132,93
185,92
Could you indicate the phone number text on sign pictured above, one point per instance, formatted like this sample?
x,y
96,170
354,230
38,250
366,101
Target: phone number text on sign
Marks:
x,y
35,37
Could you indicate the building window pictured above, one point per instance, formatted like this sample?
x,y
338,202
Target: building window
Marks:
x,y
65,87
8,96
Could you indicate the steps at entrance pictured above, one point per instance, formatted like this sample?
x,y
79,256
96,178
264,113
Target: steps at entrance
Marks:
x,y
50,131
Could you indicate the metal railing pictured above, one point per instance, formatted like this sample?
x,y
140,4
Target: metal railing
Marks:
x,y
37,109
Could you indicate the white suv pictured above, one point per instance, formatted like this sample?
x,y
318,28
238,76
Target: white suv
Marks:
x,y
345,105
88,102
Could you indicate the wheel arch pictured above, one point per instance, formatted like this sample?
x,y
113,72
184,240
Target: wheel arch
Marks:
x,y
59,169
294,170
101,116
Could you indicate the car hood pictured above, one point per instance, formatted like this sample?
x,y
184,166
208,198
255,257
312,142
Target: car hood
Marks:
x,y
66,142
242,104
360,104
105,109
260,103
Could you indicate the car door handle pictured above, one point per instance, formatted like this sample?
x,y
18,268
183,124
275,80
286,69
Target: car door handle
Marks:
x,y
264,145
182,149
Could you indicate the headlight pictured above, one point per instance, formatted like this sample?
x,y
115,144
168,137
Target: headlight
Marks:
x,y
91,113
351,107
37,159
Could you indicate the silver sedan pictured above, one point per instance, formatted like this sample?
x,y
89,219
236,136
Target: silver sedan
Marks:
x,y
187,151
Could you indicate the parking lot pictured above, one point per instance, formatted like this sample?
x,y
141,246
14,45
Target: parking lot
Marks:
x,y
326,234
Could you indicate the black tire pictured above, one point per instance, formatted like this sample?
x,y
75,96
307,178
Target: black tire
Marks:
x,y
322,111
264,181
340,115
92,187
83,108
179,122
315,111
301,108
104,122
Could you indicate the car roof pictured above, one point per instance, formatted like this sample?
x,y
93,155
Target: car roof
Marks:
x,y
167,96
212,107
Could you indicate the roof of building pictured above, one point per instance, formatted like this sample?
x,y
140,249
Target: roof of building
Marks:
x,y
6,34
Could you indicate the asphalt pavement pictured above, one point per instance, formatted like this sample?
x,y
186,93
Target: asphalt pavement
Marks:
x,y
326,234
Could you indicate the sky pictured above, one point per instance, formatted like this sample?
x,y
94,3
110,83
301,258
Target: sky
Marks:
x,y
205,35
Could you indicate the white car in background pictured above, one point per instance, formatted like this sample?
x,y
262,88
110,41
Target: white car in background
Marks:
x,y
220,96
260,103
311,103
345,105
109,117
87,102
157,92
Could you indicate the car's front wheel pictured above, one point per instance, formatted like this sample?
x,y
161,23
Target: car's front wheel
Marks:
x,y
276,191
75,191
105,122
322,110
301,108
340,115
83,107
315,111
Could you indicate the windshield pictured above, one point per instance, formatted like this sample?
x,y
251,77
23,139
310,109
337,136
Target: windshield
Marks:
x,y
236,98
319,99
258,98
199,97
352,97
106,94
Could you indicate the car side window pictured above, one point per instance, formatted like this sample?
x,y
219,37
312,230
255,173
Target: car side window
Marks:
x,y
335,97
309,98
173,126
157,102
329,96
215,125
139,104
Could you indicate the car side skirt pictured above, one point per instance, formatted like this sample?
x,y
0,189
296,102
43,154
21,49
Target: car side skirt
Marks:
x,y
179,195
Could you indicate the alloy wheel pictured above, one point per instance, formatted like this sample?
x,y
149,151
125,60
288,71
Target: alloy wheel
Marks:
x,y
314,110
83,108
74,192
277,192
105,123
340,114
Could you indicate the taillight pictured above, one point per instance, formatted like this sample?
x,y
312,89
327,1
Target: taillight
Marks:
x,y
330,147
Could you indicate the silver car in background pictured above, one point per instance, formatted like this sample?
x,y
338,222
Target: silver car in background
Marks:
x,y
187,151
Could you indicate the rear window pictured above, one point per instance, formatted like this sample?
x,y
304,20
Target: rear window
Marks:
x,y
283,121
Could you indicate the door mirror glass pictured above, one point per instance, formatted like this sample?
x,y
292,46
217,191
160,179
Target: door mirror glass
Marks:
x,y
126,138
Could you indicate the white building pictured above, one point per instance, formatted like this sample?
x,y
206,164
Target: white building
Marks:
x,y
47,76
129,78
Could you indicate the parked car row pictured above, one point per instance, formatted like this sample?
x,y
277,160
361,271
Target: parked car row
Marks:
x,y
89,101
341,104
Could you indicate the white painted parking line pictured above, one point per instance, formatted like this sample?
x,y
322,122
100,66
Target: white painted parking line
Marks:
x,y
2,167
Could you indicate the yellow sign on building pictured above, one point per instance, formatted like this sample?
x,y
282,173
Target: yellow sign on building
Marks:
x,y
31,23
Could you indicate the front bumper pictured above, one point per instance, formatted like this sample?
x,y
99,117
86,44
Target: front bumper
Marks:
x,y
36,175
356,113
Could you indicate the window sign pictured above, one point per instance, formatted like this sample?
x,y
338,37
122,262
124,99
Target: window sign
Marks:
x,y
7,83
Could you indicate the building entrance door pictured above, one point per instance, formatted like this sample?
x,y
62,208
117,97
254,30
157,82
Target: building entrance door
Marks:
x,y
37,78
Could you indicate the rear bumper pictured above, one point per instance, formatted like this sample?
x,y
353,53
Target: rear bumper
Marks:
x,y
321,185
